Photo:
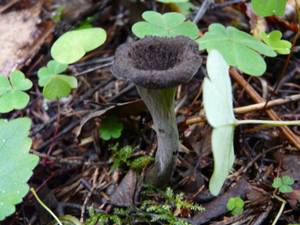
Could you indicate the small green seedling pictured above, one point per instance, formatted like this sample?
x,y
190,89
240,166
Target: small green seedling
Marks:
x,y
164,212
55,85
235,205
273,40
172,1
218,106
73,45
165,25
102,218
16,164
239,49
111,128
120,156
283,184
140,162
12,95
269,7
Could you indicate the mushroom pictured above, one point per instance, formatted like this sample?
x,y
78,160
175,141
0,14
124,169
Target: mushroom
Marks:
x,y
157,65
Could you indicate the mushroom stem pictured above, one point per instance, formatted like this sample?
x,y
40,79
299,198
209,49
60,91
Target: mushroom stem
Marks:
x,y
160,103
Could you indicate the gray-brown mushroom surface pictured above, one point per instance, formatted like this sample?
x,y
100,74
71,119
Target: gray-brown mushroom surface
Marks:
x,y
157,65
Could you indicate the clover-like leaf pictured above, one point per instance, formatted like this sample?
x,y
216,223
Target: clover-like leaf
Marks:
x,y
55,85
165,25
217,100
238,48
269,7
283,184
273,40
73,45
110,128
12,95
235,205
16,164
172,1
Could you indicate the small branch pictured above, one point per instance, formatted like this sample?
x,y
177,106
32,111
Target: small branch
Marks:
x,y
283,202
290,135
202,10
251,108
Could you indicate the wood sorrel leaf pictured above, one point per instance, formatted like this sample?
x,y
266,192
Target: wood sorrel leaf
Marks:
x,y
72,45
238,48
164,25
12,95
55,85
16,164
274,40
269,7
217,100
110,128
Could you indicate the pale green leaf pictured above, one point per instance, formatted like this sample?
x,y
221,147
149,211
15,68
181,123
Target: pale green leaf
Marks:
x,y
12,95
223,153
238,48
165,25
16,164
217,92
19,82
274,40
57,87
4,85
72,45
217,100
269,7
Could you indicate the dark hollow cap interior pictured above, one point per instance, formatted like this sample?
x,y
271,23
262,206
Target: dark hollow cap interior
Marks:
x,y
157,62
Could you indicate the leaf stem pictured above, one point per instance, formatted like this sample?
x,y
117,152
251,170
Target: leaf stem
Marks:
x,y
283,202
270,122
45,207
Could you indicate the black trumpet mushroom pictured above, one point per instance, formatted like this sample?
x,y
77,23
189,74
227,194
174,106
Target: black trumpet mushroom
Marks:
x,y
157,65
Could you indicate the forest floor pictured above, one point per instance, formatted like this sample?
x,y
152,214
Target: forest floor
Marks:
x,y
82,175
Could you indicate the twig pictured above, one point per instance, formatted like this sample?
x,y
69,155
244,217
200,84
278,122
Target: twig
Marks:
x,y
251,108
226,4
290,135
283,202
202,10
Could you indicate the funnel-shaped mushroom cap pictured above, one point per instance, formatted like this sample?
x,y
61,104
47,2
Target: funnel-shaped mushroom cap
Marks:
x,y
156,62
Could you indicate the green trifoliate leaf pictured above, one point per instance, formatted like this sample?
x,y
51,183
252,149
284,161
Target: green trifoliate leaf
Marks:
x,y
217,99
269,7
73,45
16,164
273,40
238,48
288,180
283,184
12,95
235,205
59,86
55,85
110,128
164,25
